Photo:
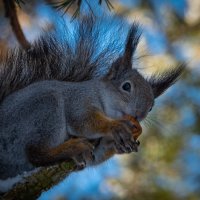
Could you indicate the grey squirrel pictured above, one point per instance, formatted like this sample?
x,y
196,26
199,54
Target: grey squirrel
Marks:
x,y
55,103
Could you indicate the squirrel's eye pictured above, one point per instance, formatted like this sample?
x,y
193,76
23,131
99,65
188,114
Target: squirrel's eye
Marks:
x,y
126,86
150,109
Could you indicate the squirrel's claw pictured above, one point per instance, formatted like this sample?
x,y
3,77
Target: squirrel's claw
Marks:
x,y
86,156
137,129
125,135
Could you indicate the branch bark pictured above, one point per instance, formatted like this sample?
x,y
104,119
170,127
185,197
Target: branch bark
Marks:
x,y
32,186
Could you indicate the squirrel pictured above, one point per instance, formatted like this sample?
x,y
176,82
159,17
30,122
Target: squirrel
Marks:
x,y
55,105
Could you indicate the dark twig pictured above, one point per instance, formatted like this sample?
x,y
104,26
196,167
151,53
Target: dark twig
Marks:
x,y
19,2
108,3
10,12
66,4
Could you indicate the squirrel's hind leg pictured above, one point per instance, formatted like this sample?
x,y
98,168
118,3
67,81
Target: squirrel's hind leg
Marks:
x,y
77,149
105,150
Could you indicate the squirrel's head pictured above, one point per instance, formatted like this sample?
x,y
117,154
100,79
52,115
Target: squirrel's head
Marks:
x,y
132,93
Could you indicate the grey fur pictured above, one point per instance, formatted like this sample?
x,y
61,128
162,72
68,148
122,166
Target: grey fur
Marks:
x,y
50,111
47,93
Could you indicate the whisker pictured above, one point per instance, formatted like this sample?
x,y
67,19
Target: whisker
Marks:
x,y
146,123
157,123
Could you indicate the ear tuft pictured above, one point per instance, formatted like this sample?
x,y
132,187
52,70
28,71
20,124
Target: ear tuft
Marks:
x,y
160,83
124,62
131,44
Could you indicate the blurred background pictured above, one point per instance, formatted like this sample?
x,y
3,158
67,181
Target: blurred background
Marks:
x,y
167,165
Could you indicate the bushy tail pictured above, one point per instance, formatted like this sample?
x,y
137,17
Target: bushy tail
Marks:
x,y
85,51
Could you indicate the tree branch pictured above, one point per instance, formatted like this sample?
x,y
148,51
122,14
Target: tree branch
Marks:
x,y
32,186
10,12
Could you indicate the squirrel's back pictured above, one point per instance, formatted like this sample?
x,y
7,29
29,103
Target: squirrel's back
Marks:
x,y
79,55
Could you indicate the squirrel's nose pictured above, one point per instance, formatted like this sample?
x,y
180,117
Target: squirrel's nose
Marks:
x,y
139,115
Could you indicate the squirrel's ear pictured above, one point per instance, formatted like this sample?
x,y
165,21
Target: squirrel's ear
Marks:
x,y
115,70
131,45
160,83
124,62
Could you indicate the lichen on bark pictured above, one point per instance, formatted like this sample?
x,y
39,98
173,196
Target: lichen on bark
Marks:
x,y
40,181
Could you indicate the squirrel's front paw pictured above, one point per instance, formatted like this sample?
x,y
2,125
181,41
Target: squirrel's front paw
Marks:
x,y
132,146
86,156
123,137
